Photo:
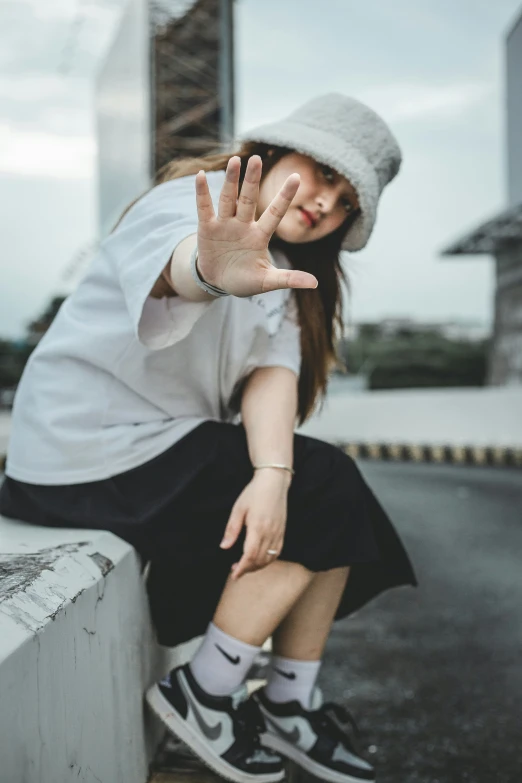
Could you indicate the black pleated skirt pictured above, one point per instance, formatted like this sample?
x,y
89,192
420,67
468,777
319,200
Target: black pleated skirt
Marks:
x,y
174,510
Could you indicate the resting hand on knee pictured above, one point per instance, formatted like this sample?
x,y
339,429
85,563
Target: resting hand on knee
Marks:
x,y
262,507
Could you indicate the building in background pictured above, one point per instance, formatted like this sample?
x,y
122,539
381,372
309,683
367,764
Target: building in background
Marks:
x,y
164,89
123,107
501,236
193,78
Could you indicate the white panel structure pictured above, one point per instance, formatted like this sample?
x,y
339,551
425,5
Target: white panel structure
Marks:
x,y
514,112
124,116
501,236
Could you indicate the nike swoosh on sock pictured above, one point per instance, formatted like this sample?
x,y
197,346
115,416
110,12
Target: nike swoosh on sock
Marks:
x,y
233,660
288,675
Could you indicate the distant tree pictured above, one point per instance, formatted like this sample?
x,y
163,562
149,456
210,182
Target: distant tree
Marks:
x,y
37,328
412,359
13,356
15,353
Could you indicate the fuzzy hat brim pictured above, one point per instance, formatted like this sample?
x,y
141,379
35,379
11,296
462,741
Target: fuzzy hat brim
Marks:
x,y
342,157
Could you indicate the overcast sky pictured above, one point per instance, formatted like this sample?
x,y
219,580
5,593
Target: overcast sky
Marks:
x,y
432,68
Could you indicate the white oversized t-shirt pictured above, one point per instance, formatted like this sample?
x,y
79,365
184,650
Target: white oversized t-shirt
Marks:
x,y
121,376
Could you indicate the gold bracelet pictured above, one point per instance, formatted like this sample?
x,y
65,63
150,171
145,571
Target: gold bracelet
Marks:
x,y
275,465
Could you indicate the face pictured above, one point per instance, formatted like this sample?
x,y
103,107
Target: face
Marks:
x,y
322,203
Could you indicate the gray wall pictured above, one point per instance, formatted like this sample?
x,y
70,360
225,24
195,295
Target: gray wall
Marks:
x,y
505,367
514,112
123,115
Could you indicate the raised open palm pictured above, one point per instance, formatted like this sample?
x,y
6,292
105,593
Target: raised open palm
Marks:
x,y
233,245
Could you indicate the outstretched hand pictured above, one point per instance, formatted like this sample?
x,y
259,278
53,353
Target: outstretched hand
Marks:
x,y
233,245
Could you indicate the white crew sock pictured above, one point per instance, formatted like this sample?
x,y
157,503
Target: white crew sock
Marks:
x,y
222,662
291,680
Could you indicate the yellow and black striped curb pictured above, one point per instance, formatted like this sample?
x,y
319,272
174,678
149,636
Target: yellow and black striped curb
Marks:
x,y
457,455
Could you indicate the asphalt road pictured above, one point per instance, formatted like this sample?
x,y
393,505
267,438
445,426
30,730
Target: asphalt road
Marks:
x,y
433,674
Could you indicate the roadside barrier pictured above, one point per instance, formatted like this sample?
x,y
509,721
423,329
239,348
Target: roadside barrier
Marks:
x,y
457,455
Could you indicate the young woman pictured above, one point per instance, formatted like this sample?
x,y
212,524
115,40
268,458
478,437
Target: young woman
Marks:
x,y
161,405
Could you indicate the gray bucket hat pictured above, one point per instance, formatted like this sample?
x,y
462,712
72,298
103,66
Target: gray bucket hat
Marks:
x,y
350,137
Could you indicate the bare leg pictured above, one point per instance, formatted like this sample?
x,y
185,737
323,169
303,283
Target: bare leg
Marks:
x,y
254,605
303,633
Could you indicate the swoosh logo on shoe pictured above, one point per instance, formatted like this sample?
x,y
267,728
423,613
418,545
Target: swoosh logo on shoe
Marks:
x,y
291,736
233,660
212,732
288,675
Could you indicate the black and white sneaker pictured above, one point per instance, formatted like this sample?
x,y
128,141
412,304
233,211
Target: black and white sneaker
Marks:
x,y
223,731
313,739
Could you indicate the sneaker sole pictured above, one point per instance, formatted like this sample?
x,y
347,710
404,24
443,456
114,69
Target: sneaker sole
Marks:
x,y
305,762
190,736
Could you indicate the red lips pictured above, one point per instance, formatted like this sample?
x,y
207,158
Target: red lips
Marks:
x,y
308,217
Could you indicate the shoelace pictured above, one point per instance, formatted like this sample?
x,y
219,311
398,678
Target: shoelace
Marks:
x,y
324,720
249,722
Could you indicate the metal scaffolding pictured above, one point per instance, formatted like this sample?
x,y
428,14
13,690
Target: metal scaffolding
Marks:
x,y
193,82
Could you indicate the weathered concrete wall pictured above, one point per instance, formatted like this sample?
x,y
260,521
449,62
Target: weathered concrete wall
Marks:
x,y
76,655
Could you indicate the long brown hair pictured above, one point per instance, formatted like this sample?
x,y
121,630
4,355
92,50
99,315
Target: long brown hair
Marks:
x,y
320,309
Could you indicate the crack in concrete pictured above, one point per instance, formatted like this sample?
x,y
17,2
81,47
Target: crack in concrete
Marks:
x,y
18,571
92,773
104,563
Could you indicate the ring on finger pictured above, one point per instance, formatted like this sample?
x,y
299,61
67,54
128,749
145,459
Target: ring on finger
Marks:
x,y
272,551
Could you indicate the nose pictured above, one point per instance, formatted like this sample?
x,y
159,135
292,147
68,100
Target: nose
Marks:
x,y
326,200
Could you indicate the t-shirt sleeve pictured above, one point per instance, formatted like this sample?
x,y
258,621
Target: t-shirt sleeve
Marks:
x,y
141,246
284,348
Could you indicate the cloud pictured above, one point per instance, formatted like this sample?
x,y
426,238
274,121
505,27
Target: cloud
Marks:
x,y
48,104
45,222
31,88
418,101
55,36
400,103
35,153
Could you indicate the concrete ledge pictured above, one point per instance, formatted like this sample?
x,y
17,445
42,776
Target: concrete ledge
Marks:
x,y
483,417
76,655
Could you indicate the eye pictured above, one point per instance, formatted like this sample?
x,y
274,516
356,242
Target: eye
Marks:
x,y
348,206
328,173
